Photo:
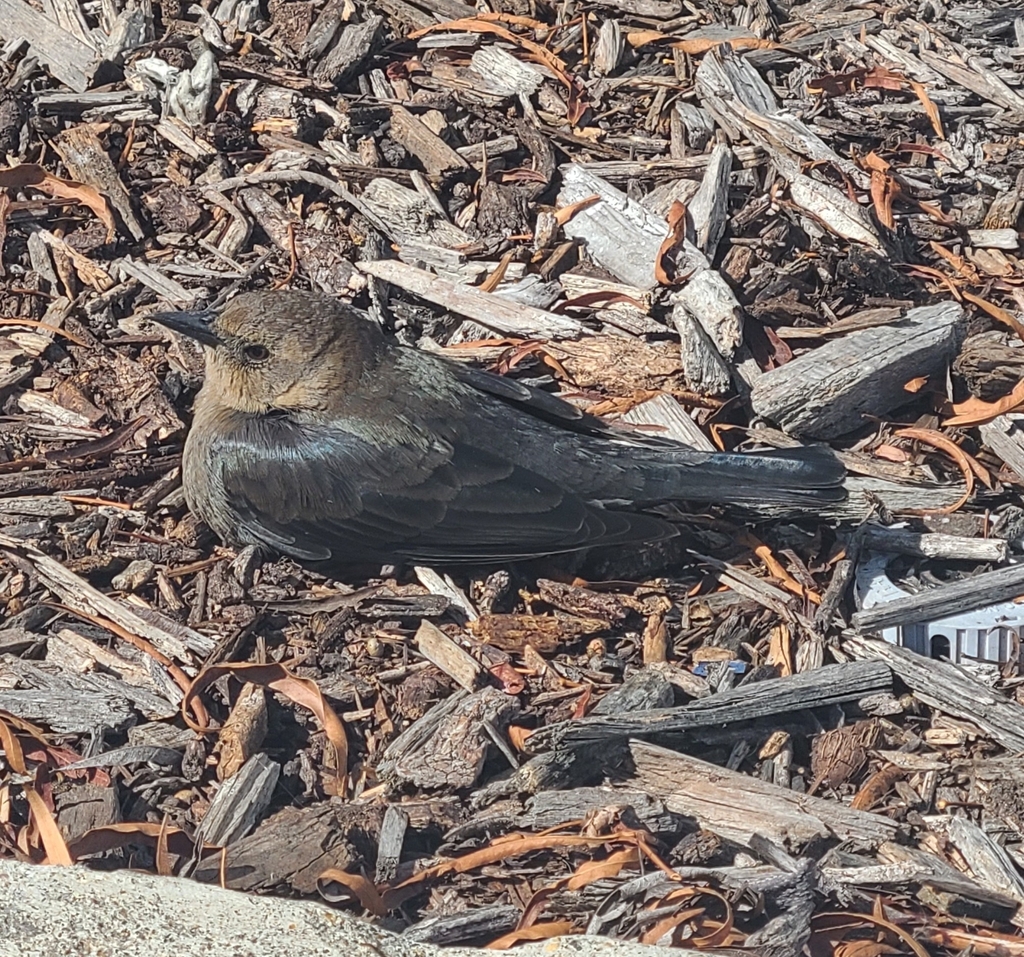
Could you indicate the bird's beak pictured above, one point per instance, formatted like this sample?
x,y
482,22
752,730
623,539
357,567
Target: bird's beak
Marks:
x,y
195,325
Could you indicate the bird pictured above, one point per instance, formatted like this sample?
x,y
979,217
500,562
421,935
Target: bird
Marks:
x,y
319,436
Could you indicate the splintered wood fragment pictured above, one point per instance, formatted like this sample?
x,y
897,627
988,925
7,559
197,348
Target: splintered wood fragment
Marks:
x,y
709,208
173,640
352,48
736,95
447,747
673,422
712,302
292,848
828,391
736,807
952,598
946,687
166,288
705,369
88,162
822,687
65,702
988,862
477,923
244,731
239,803
621,235
72,61
934,544
1004,436
433,152
410,217
454,661
389,843
492,311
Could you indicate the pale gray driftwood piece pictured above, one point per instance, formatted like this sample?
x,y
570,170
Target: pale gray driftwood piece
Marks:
x,y
676,424
989,863
946,687
389,842
937,873
65,702
827,392
171,638
409,216
822,687
933,544
737,807
709,298
67,57
489,310
1004,436
967,594
709,209
477,923
744,105
705,369
239,803
621,235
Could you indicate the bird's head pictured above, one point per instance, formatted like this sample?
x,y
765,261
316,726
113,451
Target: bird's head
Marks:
x,y
284,351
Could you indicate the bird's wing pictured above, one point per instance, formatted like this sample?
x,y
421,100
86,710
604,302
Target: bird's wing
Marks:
x,y
338,497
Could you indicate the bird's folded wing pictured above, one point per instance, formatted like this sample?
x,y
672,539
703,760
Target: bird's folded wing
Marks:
x,y
335,496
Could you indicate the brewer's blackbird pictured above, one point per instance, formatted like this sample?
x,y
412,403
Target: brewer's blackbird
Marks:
x,y
317,436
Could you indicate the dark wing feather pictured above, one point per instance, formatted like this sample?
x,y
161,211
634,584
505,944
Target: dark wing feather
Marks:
x,y
337,497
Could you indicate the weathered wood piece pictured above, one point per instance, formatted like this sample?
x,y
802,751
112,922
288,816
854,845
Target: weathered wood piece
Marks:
x,y
171,638
433,152
737,807
933,544
478,923
352,48
448,745
389,843
88,162
454,661
828,391
71,60
494,312
292,848
239,802
64,702
1004,435
410,217
666,413
967,594
822,687
621,235
946,687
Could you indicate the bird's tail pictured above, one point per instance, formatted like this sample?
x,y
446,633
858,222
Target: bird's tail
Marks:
x,y
801,476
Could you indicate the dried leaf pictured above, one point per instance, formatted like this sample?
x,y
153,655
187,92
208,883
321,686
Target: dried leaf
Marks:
x,y
915,385
358,886
303,691
30,175
976,411
49,834
966,464
891,454
558,928
929,107
677,233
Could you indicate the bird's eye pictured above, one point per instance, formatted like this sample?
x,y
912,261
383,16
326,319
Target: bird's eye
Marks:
x,y
256,353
